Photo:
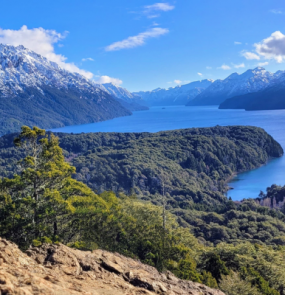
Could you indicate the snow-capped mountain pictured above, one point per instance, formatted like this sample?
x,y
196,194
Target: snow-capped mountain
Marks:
x,y
271,97
21,68
121,93
179,95
36,91
127,99
236,84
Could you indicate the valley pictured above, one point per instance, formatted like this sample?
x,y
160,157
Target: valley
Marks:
x,y
142,147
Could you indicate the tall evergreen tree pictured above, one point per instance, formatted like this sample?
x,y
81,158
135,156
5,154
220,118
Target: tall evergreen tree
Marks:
x,y
42,200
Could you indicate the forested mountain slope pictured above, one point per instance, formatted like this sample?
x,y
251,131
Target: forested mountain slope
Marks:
x,y
272,98
238,248
36,91
191,165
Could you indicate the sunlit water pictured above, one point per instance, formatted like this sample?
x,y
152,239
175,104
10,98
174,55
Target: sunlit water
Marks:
x,y
246,185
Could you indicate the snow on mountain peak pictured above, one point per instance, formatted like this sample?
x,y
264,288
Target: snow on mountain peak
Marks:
x,y
252,80
259,69
178,95
120,92
21,68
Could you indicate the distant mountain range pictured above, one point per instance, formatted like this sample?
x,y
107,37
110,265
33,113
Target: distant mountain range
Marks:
x,y
270,98
255,89
236,85
179,95
252,90
36,91
121,93
129,100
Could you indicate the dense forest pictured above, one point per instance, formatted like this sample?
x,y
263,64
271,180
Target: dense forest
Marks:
x,y
192,166
258,100
52,107
42,203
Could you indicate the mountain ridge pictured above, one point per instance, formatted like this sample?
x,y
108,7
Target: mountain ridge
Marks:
x,y
271,97
36,91
236,84
121,93
127,99
178,95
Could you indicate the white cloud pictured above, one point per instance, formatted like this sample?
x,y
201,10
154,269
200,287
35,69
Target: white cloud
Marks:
x,y
200,74
250,55
262,64
272,47
137,40
153,15
179,82
208,68
237,43
88,59
151,10
42,42
224,67
239,66
107,79
276,11
159,7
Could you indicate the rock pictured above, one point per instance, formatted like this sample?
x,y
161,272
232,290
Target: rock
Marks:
x,y
59,270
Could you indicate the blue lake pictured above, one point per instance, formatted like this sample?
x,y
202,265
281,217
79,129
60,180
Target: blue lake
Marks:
x,y
246,185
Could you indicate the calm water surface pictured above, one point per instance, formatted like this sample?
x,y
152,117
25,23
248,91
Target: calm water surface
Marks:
x,y
246,185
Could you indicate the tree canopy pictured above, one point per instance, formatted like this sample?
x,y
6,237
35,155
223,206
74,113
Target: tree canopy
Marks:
x,y
238,247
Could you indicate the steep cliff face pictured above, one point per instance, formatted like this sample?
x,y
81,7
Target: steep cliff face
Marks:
x,y
57,269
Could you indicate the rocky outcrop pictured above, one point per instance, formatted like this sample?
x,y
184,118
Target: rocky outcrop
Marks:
x,y
59,270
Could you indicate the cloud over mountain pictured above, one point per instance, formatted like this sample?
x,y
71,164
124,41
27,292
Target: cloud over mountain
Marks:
x,y
250,55
42,42
272,47
107,79
224,67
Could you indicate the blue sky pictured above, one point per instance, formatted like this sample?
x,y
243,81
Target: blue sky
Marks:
x,y
143,44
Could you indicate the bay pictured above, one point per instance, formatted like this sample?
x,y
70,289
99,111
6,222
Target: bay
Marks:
x,y
245,185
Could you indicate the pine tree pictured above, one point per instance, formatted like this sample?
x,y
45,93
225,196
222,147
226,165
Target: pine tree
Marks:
x,y
42,200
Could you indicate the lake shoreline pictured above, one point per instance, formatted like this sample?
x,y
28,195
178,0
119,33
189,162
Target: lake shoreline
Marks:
x,y
235,174
157,119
